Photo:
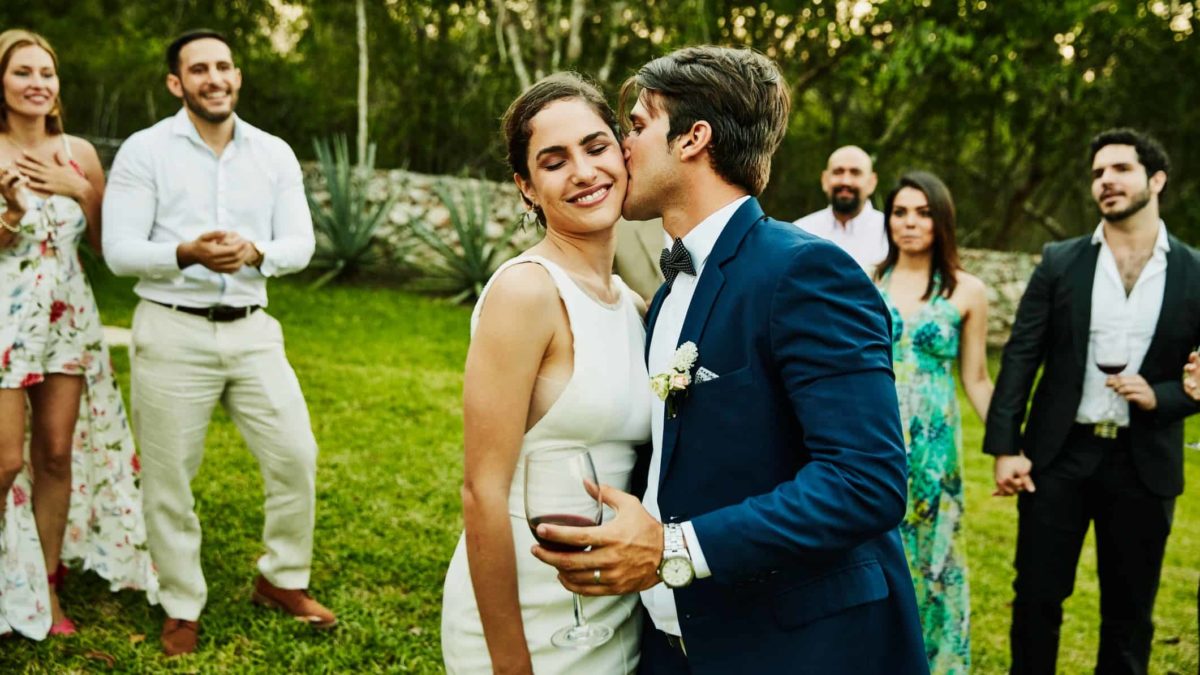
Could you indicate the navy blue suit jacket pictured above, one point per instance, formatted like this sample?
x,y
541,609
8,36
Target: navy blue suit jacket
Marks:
x,y
791,464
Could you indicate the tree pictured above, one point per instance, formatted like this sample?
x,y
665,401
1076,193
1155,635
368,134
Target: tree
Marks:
x,y
361,32
999,98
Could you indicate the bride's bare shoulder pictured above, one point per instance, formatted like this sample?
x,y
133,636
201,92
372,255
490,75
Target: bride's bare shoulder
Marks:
x,y
524,290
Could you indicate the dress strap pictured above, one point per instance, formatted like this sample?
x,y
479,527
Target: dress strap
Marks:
x,y
71,158
937,285
560,277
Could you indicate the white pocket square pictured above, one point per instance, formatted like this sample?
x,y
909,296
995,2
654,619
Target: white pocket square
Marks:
x,y
704,375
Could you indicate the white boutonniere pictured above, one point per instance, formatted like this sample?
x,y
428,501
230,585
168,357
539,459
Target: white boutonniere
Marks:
x,y
668,385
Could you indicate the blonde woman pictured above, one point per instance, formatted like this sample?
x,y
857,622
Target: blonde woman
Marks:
x,y
76,498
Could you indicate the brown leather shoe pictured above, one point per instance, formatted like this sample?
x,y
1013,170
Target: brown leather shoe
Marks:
x,y
179,636
296,602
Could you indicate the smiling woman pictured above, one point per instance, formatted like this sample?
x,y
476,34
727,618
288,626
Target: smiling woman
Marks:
x,y
555,359
81,500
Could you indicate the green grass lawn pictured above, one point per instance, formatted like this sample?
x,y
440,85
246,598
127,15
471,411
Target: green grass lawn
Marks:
x,y
382,373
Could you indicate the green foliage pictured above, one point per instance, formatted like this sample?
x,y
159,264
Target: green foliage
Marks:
x,y
998,98
467,263
347,225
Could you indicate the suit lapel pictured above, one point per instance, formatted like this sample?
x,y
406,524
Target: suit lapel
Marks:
x,y
712,280
1082,277
1172,302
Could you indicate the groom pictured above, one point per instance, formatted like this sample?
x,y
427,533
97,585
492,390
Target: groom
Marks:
x,y
766,540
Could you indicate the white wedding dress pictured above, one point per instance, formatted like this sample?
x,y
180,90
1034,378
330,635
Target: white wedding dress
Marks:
x,y
605,406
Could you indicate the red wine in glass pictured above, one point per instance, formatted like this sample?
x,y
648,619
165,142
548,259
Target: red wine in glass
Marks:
x,y
561,489
1110,349
568,519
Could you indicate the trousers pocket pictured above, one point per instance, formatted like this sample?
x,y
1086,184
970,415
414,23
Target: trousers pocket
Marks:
x,y
832,593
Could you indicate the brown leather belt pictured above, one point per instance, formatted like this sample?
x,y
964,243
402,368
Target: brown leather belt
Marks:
x,y
218,313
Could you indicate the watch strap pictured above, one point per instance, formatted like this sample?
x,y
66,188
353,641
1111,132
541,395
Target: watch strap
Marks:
x,y
674,543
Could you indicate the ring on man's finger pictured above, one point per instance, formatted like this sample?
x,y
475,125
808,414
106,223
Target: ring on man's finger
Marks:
x,y
596,576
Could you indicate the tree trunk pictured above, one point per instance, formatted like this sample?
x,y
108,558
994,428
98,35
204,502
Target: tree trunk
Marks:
x,y
361,11
514,44
614,35
574,37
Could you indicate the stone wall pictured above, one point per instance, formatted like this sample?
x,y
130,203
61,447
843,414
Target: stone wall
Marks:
x,y
1005,274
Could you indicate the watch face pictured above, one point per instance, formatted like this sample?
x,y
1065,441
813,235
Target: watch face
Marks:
x,y
677,572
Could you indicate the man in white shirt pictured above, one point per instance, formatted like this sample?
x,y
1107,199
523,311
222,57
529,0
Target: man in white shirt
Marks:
x,y
203,207
850,221
1110,320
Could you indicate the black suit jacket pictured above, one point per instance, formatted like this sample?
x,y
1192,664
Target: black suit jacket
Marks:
x,y
1052,329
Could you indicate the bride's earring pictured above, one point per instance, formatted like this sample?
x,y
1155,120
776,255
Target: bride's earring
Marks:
x,y
530,216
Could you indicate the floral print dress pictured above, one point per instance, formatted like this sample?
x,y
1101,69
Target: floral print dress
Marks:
x,y
49,324
924,350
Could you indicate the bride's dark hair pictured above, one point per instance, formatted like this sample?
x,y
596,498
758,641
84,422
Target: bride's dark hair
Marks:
x,y
518,119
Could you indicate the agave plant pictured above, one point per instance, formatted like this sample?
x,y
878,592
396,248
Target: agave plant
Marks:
x,y
347,224
469,265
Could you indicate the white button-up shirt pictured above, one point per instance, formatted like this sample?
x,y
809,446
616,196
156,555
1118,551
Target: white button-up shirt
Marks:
x,y
1135,315
659,600
863,236
167,187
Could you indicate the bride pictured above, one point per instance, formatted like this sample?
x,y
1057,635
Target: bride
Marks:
x,y
556,357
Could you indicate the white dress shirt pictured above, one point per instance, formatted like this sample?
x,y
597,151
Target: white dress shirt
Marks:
x,y
863,236
167,187
1136,315
659,600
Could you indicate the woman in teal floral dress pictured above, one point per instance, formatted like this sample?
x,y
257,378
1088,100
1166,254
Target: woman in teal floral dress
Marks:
x,y
939,315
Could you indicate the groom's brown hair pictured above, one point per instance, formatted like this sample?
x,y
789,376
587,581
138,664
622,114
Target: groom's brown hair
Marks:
x,y
739,92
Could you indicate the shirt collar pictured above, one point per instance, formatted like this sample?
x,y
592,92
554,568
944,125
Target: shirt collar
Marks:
x,y
700,241
182,125
1160,242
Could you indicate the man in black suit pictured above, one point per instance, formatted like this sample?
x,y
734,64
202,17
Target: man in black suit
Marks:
x,y
1098,448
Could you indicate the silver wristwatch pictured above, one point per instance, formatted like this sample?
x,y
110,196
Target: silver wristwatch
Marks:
x,y
676,569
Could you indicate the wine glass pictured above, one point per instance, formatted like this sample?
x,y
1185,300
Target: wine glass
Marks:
x,y
1111,352
561,489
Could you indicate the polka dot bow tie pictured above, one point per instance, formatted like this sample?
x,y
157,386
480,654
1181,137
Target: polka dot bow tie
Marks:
x,y
675,260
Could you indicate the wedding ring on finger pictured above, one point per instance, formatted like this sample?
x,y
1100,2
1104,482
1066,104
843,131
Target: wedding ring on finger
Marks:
x,y
596,576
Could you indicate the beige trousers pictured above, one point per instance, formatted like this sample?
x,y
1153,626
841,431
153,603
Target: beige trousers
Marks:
x,y
182,366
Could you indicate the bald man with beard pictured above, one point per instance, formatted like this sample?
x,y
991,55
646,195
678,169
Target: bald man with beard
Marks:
x,y
850,221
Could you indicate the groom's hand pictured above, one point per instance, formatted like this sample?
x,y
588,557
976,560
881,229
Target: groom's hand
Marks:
x,y
626,550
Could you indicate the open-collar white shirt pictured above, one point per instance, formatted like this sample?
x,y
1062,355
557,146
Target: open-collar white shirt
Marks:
x,y
1115,313
863,236
659,600
168,187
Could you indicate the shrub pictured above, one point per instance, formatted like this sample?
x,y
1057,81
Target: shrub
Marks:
x,y
465,265
346,225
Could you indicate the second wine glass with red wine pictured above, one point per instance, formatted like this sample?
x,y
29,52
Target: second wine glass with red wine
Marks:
x,y
1111,352
561,489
